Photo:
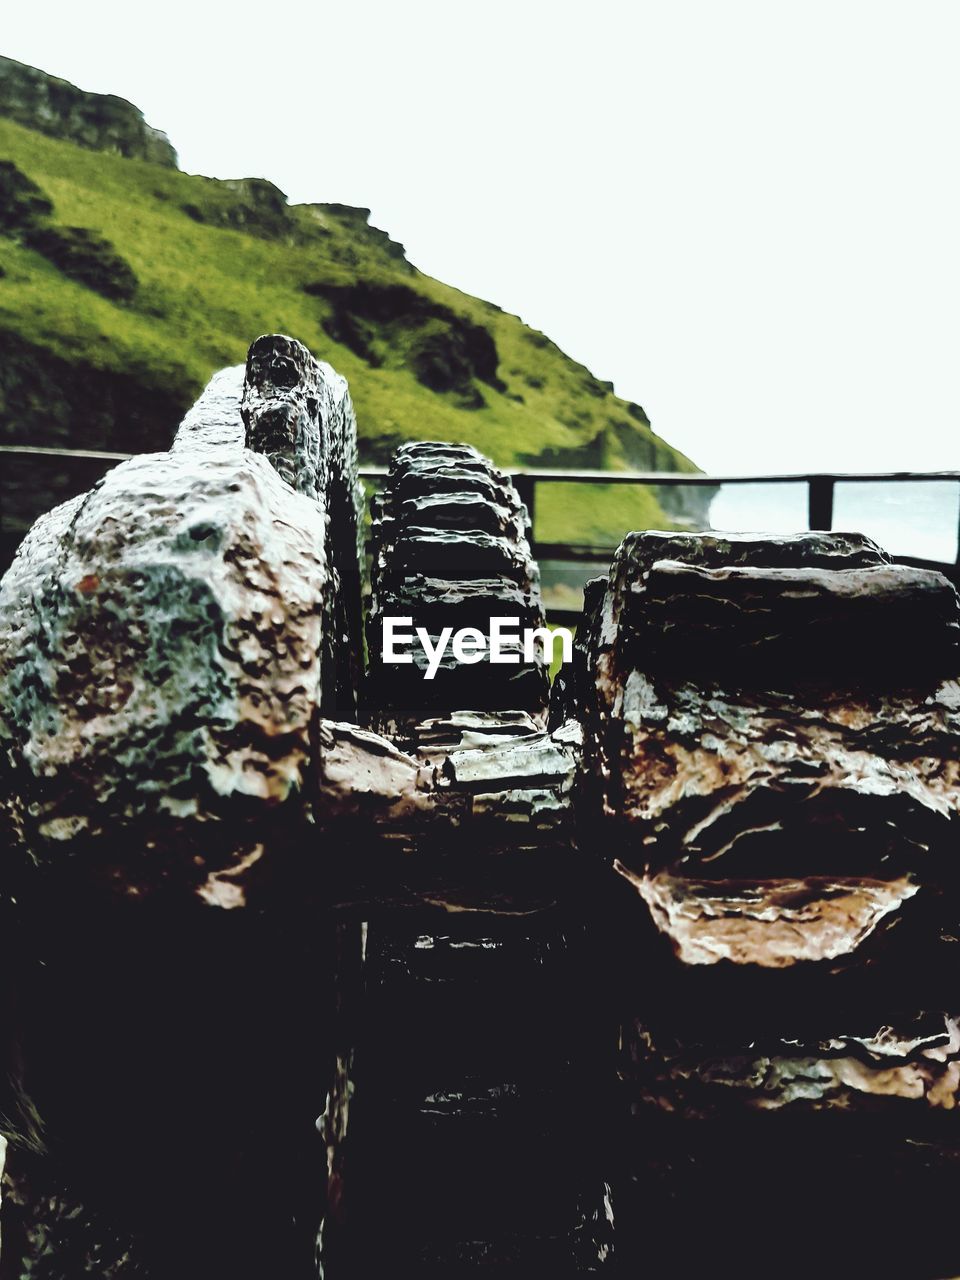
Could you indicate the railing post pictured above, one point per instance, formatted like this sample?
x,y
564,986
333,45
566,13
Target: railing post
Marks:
x,y
526,487
820,502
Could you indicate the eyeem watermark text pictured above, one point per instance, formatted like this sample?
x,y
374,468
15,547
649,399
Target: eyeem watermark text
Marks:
x,y
504,643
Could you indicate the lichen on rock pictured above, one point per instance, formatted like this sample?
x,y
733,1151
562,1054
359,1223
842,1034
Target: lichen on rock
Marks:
x,y
163,640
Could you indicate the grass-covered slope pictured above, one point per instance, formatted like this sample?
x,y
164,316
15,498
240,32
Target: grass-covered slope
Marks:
x,y
124,284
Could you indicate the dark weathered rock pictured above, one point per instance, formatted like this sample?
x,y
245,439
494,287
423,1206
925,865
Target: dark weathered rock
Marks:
x,y
260,209
812,1111
757,623
912,1060
712,761
742,954
480,1042
22,203
86,257
461,1157
445,351
358,220
450,547
99,121
300,415
478,786
456,760
771,765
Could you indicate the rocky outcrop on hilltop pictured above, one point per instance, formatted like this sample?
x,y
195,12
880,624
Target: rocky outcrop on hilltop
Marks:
x,y
162,275
98,121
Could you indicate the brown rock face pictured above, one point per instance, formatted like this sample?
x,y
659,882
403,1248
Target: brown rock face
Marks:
x,y
771,766
771,712
772,743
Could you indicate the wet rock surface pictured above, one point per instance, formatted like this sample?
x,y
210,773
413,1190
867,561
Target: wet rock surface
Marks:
x,y
770,729
170,637
310,970
472,1048
451,548
169,641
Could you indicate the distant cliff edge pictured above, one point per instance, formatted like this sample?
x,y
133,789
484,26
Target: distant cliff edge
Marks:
x,y
98,121
124,282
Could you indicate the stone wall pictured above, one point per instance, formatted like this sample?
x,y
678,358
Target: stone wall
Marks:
x,y
307,966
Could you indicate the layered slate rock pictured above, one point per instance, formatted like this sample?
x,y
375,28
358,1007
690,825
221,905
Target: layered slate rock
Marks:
x,y
474,1046
483,776
477,1033
771,766
706,1072
780,713
496,779
451,548
777,777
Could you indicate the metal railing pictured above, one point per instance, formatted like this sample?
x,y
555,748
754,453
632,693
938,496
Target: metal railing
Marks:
x,y
821,492
820,486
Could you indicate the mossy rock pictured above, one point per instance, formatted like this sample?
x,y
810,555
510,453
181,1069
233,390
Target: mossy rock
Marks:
x,y
218,263
445,351
22,203
449,357
87,258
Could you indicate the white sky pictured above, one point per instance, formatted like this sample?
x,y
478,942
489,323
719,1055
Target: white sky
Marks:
x,y
745,214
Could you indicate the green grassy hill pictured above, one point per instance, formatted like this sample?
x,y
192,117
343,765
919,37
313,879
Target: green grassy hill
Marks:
x,y
125,283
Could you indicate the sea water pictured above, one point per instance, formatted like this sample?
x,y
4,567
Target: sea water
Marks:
x,y
917,518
